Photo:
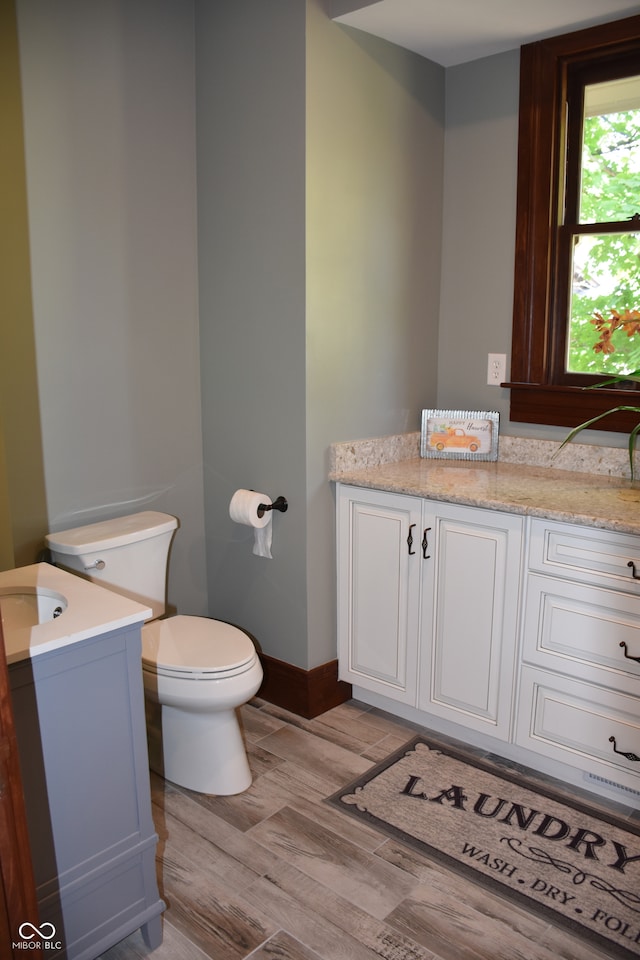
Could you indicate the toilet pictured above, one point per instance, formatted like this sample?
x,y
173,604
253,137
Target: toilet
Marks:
x,y
196,671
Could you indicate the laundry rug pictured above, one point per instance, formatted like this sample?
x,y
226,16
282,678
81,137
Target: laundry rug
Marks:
x,y
555,858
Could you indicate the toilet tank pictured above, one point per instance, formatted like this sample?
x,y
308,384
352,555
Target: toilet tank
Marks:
x,y
127,554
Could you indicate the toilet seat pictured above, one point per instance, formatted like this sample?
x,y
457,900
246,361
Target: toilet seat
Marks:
x,y
196,648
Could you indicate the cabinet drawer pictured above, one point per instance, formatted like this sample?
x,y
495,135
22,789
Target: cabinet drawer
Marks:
x,y
583,631
580,724
585,554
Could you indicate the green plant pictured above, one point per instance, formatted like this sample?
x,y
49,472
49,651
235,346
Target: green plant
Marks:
x,y
634,375
626,322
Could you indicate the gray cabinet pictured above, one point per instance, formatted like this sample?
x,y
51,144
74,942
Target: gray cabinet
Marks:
x,y
79,716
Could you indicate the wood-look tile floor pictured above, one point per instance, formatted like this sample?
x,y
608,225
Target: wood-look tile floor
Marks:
x,y
277,873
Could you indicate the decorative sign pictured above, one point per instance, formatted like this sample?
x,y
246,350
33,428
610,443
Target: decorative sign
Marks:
x,y
460,434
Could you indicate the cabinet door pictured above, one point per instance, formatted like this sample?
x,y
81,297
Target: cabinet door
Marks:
x,y
469,616
379,590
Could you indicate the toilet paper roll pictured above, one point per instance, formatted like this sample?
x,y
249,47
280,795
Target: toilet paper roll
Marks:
x,y
243,508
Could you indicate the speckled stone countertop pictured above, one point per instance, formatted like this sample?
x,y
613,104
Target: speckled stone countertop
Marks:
x,y
583,484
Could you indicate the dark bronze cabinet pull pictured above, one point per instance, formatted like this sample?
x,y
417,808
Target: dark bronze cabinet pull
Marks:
x,y
629,756
410,540
634,572
425,544
628,655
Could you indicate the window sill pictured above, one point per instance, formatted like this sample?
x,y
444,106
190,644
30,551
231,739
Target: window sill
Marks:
x,y
570,406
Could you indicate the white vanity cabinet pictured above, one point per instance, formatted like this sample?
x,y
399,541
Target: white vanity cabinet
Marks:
x,y
510,621
579,700
427,604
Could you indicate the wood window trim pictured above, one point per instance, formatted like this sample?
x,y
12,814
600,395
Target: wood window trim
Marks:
x,y
18,898
535,398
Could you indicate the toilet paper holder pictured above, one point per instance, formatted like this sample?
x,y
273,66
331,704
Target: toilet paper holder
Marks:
x,y
279,504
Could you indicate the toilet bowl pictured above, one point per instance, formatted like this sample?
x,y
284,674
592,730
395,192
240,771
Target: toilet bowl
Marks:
x,y
200,671
196,671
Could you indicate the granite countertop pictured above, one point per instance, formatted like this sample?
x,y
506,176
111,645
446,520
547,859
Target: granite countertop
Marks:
x,y
569,495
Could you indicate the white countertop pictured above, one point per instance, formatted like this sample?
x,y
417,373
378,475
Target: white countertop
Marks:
x,y
90,610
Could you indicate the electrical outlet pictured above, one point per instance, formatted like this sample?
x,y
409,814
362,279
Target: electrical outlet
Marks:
x,y
496,369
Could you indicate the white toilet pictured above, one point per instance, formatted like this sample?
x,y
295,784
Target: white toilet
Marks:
x,y
198,670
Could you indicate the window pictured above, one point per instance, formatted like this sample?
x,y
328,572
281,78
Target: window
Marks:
x,y
599,239
577,266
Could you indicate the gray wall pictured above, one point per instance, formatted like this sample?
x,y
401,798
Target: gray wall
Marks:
x,y
476,306
375,140
347,247
319,235
251,190
109,112
23,507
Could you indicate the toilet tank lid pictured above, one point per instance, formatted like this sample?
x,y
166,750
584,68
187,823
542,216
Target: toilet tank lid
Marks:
x,y
107,534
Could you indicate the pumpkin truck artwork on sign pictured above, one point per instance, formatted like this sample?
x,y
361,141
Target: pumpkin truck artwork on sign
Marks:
x,y
459,434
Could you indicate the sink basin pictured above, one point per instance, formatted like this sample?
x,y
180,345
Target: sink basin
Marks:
x,y
29,606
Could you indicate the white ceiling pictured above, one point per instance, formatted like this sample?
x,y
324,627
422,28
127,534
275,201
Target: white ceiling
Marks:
x,y
450,32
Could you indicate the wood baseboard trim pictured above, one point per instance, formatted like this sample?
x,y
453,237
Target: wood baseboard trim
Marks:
x,y
308,693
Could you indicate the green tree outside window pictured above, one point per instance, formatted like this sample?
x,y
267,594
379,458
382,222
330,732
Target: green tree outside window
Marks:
x,y
605,296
